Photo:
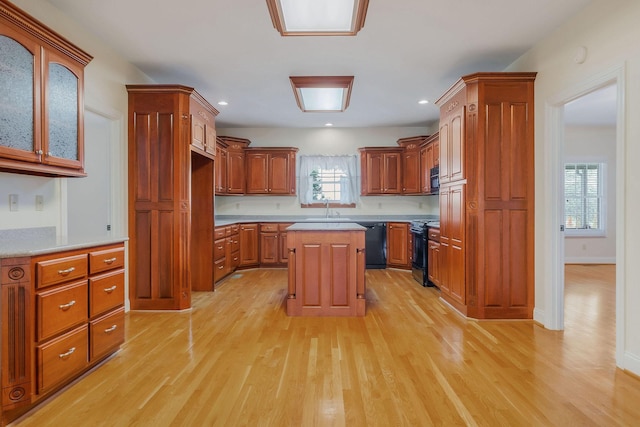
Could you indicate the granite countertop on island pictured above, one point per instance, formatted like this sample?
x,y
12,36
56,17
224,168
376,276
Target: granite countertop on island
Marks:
x,y
43,240
325,226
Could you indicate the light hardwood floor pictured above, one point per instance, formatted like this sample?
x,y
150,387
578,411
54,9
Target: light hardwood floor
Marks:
x,y
237,359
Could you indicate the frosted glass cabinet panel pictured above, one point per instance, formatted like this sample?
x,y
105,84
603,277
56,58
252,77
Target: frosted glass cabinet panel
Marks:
x,y
41,98
16,95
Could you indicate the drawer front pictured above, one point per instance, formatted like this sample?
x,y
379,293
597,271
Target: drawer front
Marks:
x,y
61,308
106,334
235,260
268,227
108,259
219,249
234,241
60,270
106,292
227,231
219,233
434,234
235,228
219,270
62,358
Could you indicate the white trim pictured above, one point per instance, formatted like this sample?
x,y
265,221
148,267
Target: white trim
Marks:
x,y
554,145
631,363
590,260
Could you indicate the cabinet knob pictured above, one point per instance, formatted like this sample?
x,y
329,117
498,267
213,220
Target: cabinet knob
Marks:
x,y
39,152
49,154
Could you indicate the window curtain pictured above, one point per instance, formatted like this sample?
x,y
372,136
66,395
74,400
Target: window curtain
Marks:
x,y
348,183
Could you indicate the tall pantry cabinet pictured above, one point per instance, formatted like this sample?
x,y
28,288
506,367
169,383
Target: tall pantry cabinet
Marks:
x,y
172,143
487,195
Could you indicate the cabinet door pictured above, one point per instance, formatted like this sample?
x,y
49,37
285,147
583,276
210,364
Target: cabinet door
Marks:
x,y
198,132
269,248
425,173
63,119
374,173
279,173
235,172
249,245
411,172
392,177
20,106
452,242
444,152
257,173
210,139
221,170
397,244
433,262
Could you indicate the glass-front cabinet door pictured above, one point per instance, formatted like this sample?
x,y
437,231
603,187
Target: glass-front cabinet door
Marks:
x,y
62,124
19,97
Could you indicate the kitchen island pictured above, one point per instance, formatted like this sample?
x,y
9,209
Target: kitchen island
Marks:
x,y
326,269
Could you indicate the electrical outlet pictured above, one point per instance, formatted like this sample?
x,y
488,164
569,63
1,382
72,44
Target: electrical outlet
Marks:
x,y
39,202
420,205
13,202
237,206
379,205
278,206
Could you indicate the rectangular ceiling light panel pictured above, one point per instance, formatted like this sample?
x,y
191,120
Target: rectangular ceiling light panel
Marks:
x,y
318,17
322,93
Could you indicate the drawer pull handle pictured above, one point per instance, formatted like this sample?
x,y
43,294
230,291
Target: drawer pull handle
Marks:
x,y
221,267
67,354
111,329
111,289
110,260
67,306
67,271
220,247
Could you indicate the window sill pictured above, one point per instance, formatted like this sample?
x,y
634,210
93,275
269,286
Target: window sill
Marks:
x,y
331,205
585,233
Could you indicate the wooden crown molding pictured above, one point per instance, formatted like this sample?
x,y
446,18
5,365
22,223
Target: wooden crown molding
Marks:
x,y
298,82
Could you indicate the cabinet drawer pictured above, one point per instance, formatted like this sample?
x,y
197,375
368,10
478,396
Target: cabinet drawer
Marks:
x,y
268,227
219,249
60,270
234,241
219,270
235,228
106,334
62,358
434,234
61,308
227,231
108,259
235,260
106,292
219,233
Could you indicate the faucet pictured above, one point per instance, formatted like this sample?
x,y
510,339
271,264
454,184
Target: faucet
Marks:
x,y
326,205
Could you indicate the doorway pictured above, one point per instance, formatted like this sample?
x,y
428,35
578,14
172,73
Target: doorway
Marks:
x,y
554,289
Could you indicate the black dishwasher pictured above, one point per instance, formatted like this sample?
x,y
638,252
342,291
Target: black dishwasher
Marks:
x,y
375,244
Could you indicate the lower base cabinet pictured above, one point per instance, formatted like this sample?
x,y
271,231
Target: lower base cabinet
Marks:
x,y
64,308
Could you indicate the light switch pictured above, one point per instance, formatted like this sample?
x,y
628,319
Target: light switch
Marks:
x,y
13,202
39,202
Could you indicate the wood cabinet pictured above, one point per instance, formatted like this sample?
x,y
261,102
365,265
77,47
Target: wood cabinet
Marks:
x,y
269,244
283,254
398,245
271,171
381,170
249,245
203,127
230,165
42,82
226,251
62,314
171,187
411,183
326,273
429,158
487,195
433,256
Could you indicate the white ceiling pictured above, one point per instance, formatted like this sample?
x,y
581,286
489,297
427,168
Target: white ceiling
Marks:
x,y
408,50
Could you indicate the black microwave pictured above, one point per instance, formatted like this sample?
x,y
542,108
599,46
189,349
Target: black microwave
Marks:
x,y
435,179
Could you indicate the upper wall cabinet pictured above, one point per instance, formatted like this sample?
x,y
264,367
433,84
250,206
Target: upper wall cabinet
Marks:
x,y
271,171
381,170
41,98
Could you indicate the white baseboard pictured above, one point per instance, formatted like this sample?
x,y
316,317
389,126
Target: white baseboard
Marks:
x,y
590,260
538,316
631,363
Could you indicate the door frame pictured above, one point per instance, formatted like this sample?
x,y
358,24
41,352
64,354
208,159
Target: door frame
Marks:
x,y
554,181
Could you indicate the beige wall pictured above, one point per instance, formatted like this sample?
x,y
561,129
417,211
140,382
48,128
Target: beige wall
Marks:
x,y
609,30
105,93
326,141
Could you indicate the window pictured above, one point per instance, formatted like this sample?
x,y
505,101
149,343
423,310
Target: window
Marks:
x,y
583,191
329,179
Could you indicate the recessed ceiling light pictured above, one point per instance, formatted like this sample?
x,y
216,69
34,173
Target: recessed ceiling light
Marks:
x,y
322,93
423,101
223,103
318,17
328,124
